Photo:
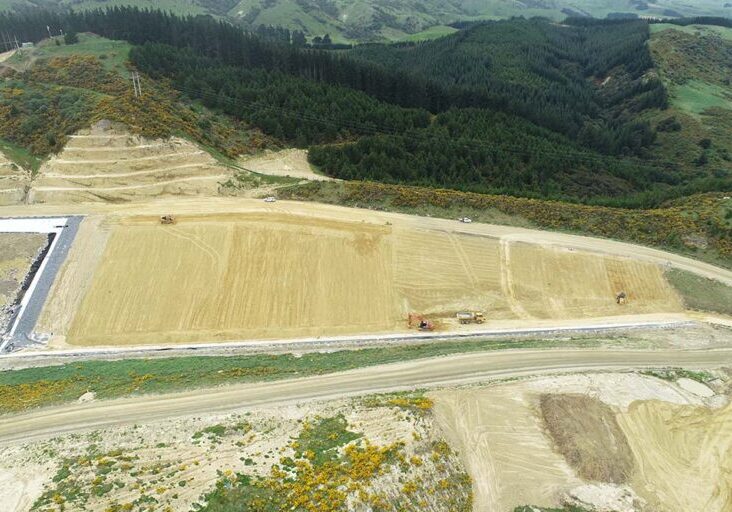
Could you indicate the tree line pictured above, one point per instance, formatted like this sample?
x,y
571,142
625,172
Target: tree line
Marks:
x,y
521,107
585,81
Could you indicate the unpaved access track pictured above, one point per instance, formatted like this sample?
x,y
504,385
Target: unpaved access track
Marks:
x,y
442,371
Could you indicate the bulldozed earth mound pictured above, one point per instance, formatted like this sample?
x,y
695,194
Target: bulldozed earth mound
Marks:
x,y
108,163
14,182
586,433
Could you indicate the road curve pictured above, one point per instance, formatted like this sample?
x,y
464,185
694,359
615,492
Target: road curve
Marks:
x,y
452,370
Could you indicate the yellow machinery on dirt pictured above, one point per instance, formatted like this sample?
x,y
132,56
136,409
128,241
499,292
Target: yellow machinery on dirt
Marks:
x,y
167,219
621,298
470,317
420,322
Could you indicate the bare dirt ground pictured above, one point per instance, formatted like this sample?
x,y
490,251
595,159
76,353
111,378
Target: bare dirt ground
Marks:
x,y
415,264
291,163
13,182
497,431
586,433
503,447
238,277
572,284
177,462
18,251
107,163
665,447
270,274
217,205
74,279
684,455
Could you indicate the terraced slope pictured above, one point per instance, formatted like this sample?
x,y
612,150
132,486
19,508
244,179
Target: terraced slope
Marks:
x,y
108,163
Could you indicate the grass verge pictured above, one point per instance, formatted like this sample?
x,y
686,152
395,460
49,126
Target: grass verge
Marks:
x,y
700,293
20,156
674,374
35,387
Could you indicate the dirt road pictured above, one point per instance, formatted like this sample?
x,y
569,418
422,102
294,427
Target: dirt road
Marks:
x,y
202,205
441,371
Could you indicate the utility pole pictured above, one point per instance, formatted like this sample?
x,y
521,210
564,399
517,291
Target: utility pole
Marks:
x,y
136,84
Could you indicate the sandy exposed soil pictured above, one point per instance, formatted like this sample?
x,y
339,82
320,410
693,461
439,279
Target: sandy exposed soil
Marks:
x,y
586,433
684,455
287,162
503,446
570,284
13,182
73,281
21,485
153,459
676,443
218,205
107,163
241,277
268,274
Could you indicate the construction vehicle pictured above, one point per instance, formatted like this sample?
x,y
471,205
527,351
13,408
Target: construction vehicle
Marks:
x,y
470,317
167,219
621,298
420,322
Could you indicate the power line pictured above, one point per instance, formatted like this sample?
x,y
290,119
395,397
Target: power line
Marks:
x,y
136,84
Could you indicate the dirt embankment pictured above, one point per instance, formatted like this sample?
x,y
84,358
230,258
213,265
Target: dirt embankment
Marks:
x,y
292,163
18,251
586,433
108,163
13,182
684,455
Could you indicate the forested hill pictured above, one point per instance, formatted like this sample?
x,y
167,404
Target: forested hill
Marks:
x,y
545,110
388,20
587,81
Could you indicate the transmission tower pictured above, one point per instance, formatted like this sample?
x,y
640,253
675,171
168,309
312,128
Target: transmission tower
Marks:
x,y
136,84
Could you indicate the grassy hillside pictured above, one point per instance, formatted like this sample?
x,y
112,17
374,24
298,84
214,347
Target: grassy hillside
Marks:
x,y
695,64
523,107
379,20
54,90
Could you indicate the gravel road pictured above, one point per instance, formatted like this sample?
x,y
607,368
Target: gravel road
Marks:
x,y
434,372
